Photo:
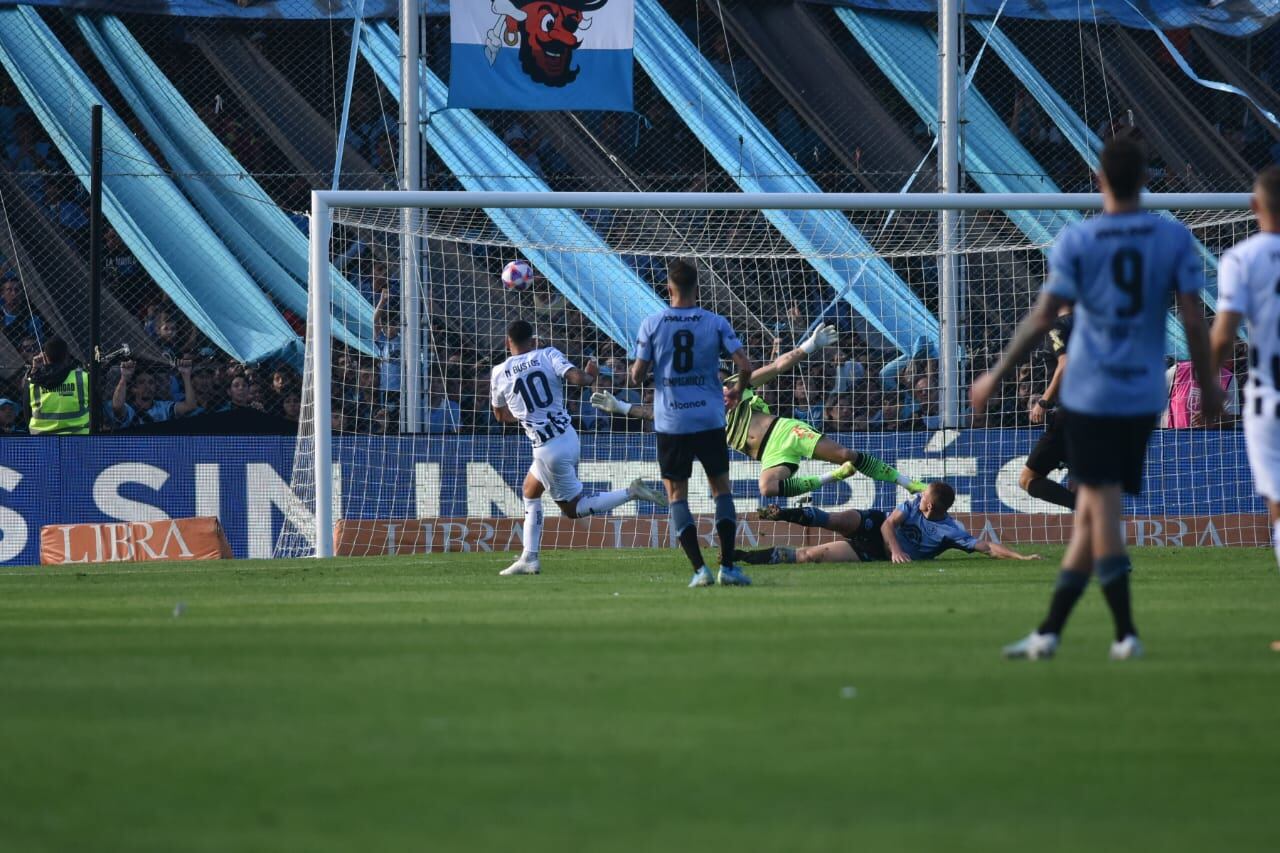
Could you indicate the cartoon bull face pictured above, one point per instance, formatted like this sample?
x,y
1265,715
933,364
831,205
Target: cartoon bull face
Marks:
x,y
548,37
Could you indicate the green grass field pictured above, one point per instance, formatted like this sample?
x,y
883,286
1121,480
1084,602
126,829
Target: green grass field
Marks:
x,y
426,704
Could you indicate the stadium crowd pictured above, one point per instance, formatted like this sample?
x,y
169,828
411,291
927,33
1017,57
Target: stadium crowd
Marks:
x,y
178,375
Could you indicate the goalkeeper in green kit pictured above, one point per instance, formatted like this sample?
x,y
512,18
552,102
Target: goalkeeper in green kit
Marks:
x,y
780,444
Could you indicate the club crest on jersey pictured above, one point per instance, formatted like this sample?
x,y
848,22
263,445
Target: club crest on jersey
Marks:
x,y
547,33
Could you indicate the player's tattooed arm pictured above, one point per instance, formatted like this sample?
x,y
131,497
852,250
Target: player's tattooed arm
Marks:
x,y
889,530
606,402
585,376
822,337
1034,326
1000,552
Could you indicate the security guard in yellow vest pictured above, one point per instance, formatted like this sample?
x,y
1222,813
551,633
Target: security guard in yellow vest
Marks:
x,y
58,392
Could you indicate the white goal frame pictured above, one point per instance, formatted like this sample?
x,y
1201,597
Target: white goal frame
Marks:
x,y
319,320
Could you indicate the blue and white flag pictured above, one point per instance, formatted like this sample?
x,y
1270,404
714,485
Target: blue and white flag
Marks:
x,y
542,54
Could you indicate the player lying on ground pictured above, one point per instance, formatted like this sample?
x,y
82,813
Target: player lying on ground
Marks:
x,y
528,389
1119,270
919,529
1249,291
780,443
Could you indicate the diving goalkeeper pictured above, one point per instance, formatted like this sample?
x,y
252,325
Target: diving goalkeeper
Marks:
x,y
781,443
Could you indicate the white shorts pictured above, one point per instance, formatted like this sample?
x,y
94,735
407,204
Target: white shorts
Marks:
x,y
1262,438
555,466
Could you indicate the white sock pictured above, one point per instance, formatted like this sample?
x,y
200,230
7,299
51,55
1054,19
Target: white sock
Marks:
x,y
601,503
1275,540
532,528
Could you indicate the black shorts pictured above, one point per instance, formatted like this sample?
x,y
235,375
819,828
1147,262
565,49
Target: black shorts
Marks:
x,y
676,453
868,543
1050,452
1104,450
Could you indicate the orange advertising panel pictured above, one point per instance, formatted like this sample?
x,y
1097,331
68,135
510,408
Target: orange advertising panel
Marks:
x,y
134,542
424,535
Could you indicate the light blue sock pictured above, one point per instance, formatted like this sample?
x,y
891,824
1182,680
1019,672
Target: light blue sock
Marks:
x,y
680,517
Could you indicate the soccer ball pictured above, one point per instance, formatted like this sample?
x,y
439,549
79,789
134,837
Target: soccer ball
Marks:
x,y
517,275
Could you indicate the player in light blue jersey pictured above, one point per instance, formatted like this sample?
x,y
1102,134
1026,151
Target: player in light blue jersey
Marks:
x,y
683,345
1119,271
920,528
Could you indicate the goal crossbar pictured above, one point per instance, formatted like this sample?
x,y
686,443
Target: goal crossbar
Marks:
x,y
457,199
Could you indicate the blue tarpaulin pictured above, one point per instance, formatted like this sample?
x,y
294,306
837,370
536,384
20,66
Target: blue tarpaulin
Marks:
x,y
260,235
1075,131
750,154
619,301
1230,17
257,9
993,156
167,235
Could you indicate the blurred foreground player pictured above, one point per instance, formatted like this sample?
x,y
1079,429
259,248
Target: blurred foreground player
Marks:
x,y
1249,290
528,389
683,344
1118,269
918,529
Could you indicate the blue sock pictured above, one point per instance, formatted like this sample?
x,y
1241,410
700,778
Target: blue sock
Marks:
x,y
814,517
726,528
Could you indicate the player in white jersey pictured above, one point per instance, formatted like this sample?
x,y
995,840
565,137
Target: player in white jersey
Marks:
x,y
1119,270
528,389
1249,290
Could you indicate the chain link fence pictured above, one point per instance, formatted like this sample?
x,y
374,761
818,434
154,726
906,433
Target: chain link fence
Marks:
x,y
178,274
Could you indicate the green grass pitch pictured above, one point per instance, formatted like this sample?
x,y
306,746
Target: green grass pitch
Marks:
x,y
426,704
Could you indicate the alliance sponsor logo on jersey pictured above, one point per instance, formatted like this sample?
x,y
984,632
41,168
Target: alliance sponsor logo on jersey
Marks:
x,y
542,54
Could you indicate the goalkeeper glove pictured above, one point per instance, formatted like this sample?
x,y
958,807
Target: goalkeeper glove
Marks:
x,y
823,336
606,402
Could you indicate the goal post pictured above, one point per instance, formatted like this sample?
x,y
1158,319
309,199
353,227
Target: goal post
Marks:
x,y
777,264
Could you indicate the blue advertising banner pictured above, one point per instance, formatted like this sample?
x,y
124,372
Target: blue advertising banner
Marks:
x,y
245,481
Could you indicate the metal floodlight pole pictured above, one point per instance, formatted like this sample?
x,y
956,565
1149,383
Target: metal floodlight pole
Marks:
x,y
949,284
95,266
411,178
